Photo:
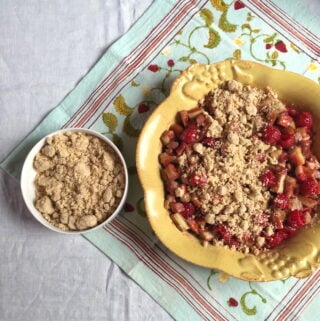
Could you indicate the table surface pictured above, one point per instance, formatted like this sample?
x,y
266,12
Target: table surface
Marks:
x,y
46,47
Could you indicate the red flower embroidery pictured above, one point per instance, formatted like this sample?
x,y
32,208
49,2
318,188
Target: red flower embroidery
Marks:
x,y
268,46
238,5
280,46
170,63
153,68
143,108
232,302
128,207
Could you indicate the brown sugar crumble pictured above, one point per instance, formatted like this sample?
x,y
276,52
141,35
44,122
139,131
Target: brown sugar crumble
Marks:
x,y
80,181
212,163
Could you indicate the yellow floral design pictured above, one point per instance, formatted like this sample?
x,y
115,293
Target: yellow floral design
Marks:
x,y
238,42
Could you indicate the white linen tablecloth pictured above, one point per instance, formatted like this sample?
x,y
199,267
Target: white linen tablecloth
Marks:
x,y
46,47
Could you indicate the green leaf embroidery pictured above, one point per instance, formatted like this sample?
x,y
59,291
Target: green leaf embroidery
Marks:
x,y
219,5
207,16
129,129
270,39
110,120
237,54
214,39
184,59
249,16
134,84
275,55
212,273
117,140
192,61
225,25
121,107
244,307
246,26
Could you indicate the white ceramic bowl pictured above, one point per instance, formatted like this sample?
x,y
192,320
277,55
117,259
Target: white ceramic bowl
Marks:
x,y
28,175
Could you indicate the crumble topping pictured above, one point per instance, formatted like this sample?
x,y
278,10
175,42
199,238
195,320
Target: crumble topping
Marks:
x,y
231,169
80,181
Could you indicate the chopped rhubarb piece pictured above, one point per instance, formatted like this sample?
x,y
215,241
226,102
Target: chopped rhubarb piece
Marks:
x,y
295,219
180,222
172,145
177,207
290,185
194,112
167,137
271,134
177,129
300,173
181,148
193,224
189,210
184,117
308,201
197,179
296,157
309,187
306,148
190,135
283,157
206,235
196,202
171,187
277,218
268,178
209,142
307,216
281,201
304,119
166,159
280,180
302,134
201,119
285,120
171,172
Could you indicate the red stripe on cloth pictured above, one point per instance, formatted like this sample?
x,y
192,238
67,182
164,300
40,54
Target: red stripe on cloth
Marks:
x,y
309,49
162,269
160,30
169,259
314,292
313,279
289,292
133,66
283,23
293,23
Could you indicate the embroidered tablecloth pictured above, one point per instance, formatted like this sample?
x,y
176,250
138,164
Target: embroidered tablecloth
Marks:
x,y
121,91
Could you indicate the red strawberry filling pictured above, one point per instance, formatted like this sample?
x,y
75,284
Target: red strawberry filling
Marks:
x,y
288,174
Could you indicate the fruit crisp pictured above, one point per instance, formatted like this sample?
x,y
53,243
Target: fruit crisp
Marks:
x,y
238,169
80,181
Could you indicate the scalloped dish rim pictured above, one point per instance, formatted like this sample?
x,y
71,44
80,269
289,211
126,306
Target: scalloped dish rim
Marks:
x,y
298,256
